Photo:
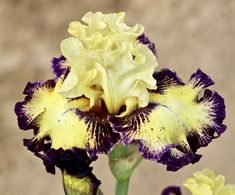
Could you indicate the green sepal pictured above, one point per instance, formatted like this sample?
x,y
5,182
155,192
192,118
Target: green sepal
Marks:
x,y
123,160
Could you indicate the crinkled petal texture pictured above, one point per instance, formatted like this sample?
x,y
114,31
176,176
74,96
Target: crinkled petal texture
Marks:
x,y
205,182
59,122
109,61
176,122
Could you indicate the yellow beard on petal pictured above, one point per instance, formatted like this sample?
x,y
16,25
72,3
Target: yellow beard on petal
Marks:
x,y
108,63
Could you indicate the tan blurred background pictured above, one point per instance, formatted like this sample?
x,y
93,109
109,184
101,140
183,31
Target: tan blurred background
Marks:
x,y
188,35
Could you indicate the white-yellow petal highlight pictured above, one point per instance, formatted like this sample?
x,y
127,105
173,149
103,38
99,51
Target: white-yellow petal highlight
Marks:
x,y
58,118
205,182
108,63
67,122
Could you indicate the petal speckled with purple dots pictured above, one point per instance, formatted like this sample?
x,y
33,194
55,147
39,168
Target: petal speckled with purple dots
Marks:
x,y
176,122
60,122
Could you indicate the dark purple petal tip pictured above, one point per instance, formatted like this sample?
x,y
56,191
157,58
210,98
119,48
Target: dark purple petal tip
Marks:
x,y
75,161
176,162
218,104
145,40
58,67
32,87
171,190
23,120
153,155
166,78
214,130
200,79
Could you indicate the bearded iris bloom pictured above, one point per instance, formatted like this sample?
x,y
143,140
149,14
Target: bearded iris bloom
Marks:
x,y
203,182
106,91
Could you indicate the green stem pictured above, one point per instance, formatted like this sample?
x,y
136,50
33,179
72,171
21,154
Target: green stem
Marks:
x,y
123,160
122,187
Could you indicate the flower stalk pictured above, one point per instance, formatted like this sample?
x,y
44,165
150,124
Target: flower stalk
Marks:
x,y
122,187
122,161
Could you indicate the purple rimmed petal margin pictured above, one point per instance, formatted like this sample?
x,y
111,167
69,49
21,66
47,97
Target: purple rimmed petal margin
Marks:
x,y
179,160
145,40
25,121
63,159
200,80
151,128
58,66
218,106
165,155
98,136
165,79
74,161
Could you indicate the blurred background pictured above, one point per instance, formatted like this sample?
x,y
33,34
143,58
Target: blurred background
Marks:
x,y
188,35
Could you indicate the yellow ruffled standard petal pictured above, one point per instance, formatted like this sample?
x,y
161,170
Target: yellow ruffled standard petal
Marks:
x,y
108,63
176,122
107,27
66,123
205,182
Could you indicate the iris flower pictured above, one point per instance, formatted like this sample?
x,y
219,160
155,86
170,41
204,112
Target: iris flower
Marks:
x,y
203,182
207,182
106,91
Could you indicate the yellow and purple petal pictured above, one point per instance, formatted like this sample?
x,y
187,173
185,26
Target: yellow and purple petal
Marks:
x,y
59,122
176,122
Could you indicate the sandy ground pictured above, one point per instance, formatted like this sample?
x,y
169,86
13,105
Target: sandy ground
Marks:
x,y
188,35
